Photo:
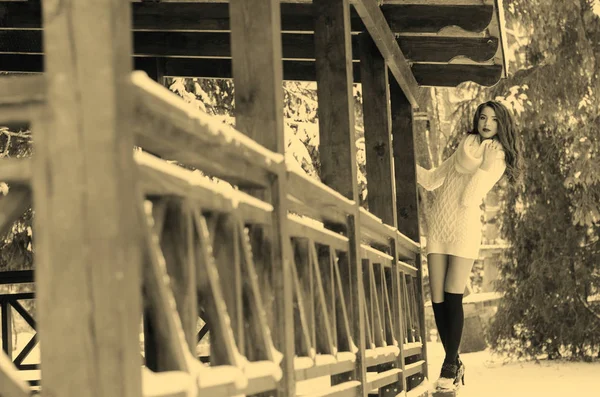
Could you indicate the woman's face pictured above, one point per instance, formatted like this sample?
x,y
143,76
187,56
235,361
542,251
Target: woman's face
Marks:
x,y
488,123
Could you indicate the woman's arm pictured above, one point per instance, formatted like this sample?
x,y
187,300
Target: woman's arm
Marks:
x,y
483,180
434,178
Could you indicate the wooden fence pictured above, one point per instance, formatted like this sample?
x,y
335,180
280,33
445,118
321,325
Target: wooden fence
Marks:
x,y
292,280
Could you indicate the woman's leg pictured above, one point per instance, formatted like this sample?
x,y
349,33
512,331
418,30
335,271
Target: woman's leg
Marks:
x,y
458,273
438,264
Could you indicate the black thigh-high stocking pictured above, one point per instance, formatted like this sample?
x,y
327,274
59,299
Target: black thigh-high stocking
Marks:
x,y
439,313
454,325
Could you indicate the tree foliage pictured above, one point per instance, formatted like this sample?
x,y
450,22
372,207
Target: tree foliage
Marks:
x,y
15,246
551,275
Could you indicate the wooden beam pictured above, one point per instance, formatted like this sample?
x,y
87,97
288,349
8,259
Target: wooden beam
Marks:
x,y
378,137
426,74
451,75
300,46
404,163
333,51
431,17
383,37
334,75
422,17
88,232
258,78
11,383
177,246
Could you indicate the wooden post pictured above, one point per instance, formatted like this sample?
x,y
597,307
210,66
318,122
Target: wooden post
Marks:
x,y
404,162
406,185
7,335
87,229
378,137
333,53
258,78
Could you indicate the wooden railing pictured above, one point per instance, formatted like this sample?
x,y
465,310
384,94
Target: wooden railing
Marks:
x,y
292,279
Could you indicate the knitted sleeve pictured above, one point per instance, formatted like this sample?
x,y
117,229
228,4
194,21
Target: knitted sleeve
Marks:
x,y
482,182
434,178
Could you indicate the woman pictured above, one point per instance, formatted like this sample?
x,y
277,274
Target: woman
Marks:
x,y
488,152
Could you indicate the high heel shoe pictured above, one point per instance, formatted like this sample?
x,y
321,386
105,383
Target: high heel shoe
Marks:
x,y
460,373
447,377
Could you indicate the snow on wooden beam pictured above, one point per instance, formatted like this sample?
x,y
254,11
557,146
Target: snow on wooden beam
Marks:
x,y
176,130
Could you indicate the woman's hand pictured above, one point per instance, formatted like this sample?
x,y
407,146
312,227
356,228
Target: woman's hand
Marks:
x,y
490,152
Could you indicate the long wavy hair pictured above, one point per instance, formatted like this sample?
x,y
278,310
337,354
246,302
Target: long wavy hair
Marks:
x,y
507,136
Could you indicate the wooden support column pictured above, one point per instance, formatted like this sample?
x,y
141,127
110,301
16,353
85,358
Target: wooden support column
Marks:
x,y
378,133
258,78
88,233
406,185
404,162
333,52
7,321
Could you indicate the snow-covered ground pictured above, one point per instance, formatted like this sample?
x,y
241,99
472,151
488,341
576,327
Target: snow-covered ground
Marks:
x,y
487,376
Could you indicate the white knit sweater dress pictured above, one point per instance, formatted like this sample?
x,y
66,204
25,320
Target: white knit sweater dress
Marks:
x,y
454,219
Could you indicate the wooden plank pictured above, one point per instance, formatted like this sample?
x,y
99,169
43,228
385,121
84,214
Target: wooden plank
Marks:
x,y
7,335
451,75
177,130
11,383
376,309
16,277
421,309
328,202
404,163
22,89
160,178
223,350
377,121
295,46
258,331
431,17
306,284
228,257
383,37
165,342
88,232
344,335
258,78
397,308
299,227
323,325
303,306
177,246
16,170
446,48
385,280
426,74
201,16
338,150
13,205
384,378
334,90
